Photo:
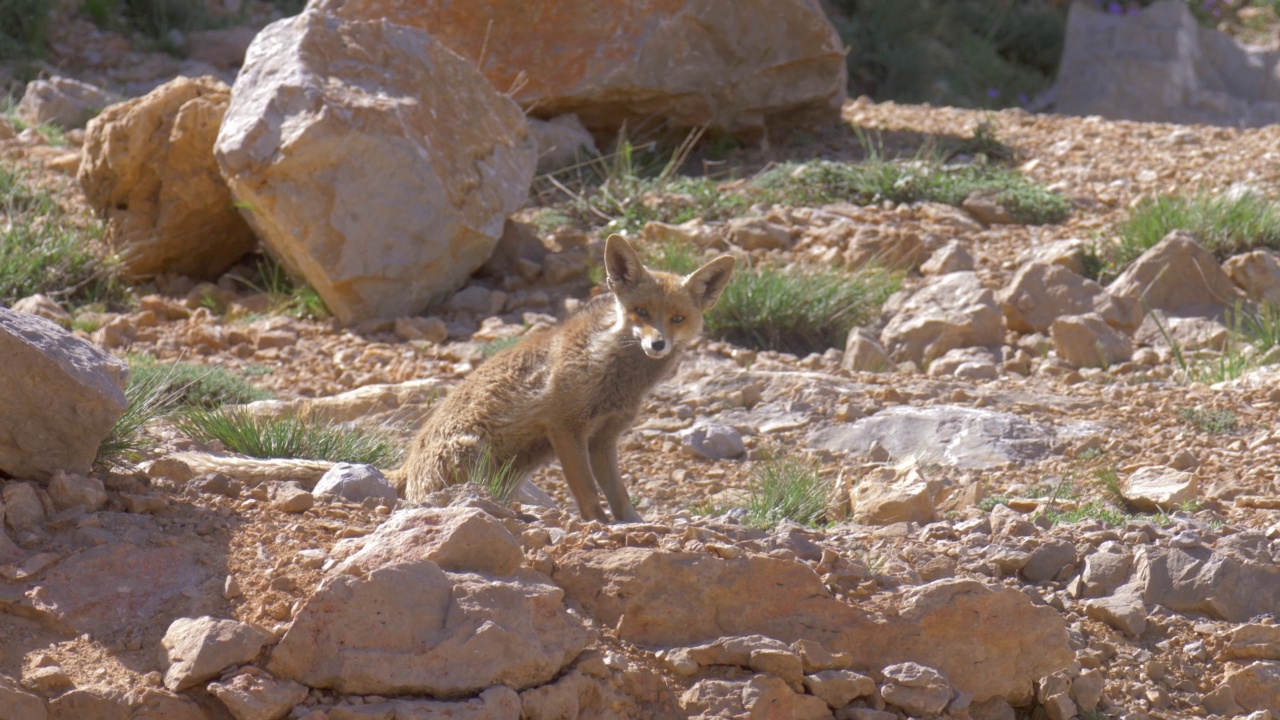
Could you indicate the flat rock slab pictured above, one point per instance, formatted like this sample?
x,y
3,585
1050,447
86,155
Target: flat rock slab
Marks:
x,y
115,586
963,437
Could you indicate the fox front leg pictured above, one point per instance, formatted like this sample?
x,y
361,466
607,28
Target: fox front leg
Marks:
x,y
571,448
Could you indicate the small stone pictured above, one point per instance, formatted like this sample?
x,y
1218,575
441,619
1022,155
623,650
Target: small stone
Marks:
x,y
354,483
253,694
291,498
713,441
920,691
197,649
1123,611
839,687
47,679
1048,560
1154,489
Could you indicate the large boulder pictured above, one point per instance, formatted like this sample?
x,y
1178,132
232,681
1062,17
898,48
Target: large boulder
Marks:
x,y
952,311
435,602
67,392
412,628
1179,276
1203,581
147,168
374,162
1041,292
1162,65
730,64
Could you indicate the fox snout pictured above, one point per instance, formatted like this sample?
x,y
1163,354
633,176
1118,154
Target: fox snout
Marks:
x,y
653,342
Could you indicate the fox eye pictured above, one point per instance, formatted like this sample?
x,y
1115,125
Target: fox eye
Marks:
x,y
677,319
642,313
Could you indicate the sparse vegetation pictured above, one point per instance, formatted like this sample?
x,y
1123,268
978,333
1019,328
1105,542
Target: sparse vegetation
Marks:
x,y
630,187
906,181
287,298
288,437
195,385
149,396
44,250
497,481
787,488
1226,224
797,309
989,503
1209,420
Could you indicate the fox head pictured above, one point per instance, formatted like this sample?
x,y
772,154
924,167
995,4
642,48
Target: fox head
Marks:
x,y
661,310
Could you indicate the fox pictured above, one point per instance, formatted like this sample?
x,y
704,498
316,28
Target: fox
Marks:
x,y
570,391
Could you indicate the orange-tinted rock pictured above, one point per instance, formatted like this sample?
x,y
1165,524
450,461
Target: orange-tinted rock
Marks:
x,y
732,64
147,167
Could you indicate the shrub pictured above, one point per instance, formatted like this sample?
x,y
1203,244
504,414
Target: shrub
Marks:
x,y
288,437
797,309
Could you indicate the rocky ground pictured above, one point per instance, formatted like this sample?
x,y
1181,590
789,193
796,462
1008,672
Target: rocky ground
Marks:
x,y
1053,600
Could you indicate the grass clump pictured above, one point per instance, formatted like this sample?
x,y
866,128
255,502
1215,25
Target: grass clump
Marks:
x,y
1225,224
631,187
797,309
288,437
1213,422
195,386
907,181
989,503
286,297
786,488
42,250
148,396
496,480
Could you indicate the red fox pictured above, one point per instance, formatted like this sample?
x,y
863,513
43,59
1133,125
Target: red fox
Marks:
x,y
570,390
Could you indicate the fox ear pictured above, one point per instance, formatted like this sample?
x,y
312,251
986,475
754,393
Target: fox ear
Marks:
x,y
622,263
707,282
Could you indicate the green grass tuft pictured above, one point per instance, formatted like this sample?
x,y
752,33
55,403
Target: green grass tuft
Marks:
x,y
797,309
149,396
496,481
1109,515
1213,422
1225,225
43,251
287,298
786,488
989,503
289,437
196,385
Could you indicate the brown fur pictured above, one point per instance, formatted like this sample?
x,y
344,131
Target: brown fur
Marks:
x,y
570,391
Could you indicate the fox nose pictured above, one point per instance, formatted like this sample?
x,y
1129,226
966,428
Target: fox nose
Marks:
x,y
658,345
